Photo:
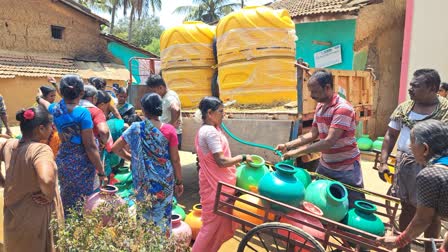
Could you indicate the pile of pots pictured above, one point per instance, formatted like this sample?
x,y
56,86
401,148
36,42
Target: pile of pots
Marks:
x,y
293,186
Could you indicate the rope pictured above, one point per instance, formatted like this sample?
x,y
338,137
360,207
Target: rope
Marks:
x,y
262,146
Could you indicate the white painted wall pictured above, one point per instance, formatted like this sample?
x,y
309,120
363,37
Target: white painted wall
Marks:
x,y
429,37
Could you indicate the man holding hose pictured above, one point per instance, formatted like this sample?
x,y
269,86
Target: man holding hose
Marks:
x,y
334,125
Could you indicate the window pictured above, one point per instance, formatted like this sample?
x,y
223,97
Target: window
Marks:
x,y
56,32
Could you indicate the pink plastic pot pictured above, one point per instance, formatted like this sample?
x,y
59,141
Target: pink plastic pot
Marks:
x,y
308,207
106,195
181,232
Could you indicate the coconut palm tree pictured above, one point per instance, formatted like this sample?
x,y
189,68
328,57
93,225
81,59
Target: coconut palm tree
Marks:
x,y
139,8
114,5
109,6
208,11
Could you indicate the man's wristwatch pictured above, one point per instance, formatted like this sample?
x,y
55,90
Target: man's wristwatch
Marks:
x,y
101,175
179,182
244,158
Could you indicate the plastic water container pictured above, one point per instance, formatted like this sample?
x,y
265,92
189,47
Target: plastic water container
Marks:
x,y
256,56
187,60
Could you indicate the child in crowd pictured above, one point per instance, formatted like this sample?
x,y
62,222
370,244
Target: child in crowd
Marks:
x,y
48,93
443,90
125,109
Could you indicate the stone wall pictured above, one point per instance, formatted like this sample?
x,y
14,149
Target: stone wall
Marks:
x,y
25,27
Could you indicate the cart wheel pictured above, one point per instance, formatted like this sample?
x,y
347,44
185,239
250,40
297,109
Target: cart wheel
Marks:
x,y
389,210
266,237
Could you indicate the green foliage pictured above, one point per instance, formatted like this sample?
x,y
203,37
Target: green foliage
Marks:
x,y
145,33
142,7
112,228
154,47
208,11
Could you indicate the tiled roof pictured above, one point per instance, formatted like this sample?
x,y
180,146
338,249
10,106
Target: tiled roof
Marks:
x,y
298,8
12,66
30,66
113,38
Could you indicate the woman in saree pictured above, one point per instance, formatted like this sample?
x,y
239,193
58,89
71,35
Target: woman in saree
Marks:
x,y
100,84
48,93
430,148
78,158
217,164
155,162
31,194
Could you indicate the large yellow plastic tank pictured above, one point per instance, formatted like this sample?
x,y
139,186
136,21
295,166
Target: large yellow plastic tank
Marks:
x,y
187,60
256,56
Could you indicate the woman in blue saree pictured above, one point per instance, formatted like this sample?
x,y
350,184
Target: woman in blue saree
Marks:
x,y
155,162
78,158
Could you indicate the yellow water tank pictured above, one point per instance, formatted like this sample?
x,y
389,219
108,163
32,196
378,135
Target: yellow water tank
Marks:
x,y
187,60
256,56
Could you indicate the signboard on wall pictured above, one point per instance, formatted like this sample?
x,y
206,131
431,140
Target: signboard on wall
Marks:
x,y
328,57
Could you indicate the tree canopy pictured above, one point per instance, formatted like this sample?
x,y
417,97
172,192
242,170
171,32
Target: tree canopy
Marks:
x,y
208,11
146,33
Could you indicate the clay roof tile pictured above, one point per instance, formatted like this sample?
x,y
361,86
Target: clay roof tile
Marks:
x,y
12,66
298,8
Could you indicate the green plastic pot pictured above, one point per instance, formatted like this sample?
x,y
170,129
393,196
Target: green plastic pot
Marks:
x,y
362,217
303,176
121,186
124,175
249,174
281,185
364,143
288,161
330,196
378,143
178,210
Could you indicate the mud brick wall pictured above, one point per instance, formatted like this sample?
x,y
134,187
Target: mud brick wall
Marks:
x,y
379,31
25,26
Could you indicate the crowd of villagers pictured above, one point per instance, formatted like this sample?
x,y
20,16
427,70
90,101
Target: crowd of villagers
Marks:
x,y
59,160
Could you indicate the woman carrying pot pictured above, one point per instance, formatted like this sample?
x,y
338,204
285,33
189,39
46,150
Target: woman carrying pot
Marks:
x,y
217,164
430,147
